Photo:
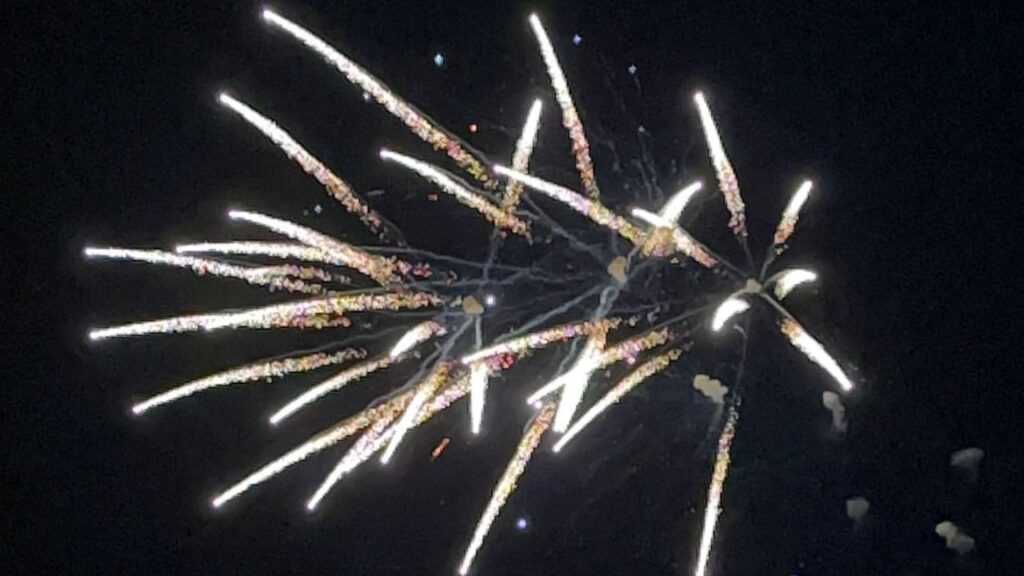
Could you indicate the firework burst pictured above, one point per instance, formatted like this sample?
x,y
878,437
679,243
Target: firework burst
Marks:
x,y
454,359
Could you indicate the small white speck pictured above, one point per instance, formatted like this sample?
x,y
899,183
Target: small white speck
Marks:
x,y
438,60
521,524
632,69
576,39
490,300
366,96
318,209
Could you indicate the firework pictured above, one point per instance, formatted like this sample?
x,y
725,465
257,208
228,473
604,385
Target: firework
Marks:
x,y
792,213
570,116
332,384
478,375
714,505
416,121
335,186
726,310
787,280
423,393
814,351
271,249
249,373
727,182
521,156
677,240
507,484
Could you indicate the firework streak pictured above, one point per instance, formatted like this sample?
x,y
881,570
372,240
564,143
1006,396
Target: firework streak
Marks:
x,y
380,269
417,122
539,339
507,484
590,208
270,249
446,183
332,384
570,116
787,280
257,371
478,376
813,349
521,157
791,214
723,169
336,187
264,276
668,237
623,387
424,391
714,506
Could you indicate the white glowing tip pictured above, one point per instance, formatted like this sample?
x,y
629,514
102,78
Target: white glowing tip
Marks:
x,y
224,98
490,300
651,218
791,279
731,307
677,203
408,340
477,394
798,199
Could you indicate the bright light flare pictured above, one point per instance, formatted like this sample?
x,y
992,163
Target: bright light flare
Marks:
x,y
478,376
672,209
787,280
814,351
726,310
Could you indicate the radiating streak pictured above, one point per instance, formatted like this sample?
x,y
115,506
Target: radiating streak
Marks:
x,y
814,351
494,214
507,483
379,268
570,116
726,310
623,387
791,214
718,476
248,373
590,208
335,186
723,169
787,280
424,391
166,325
534,340
478,376
677,238
521,157
322,441
270,249
202,267
416,335
332,384
576,380
376,438
672,209
281,314
416,121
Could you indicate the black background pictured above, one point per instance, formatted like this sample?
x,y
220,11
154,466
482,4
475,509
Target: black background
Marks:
x,y
902,113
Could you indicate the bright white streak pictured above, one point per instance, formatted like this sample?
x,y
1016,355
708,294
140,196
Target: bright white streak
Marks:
x,y
332,384
446,183
380,269
726,310
570,116
521,156
507,483
672,209
272,249
576,380
425,390
727,182
478,375
813,349
176,324
790,216
718,476
414,336
790,279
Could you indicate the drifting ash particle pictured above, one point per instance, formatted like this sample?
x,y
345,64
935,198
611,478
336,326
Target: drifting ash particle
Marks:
x,y
439,448
710,387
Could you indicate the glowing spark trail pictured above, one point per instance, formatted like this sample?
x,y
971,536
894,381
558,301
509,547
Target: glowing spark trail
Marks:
x,y
679,239
492,213
257,371
714,506
787,280
282,314
337,187
478,375
270,249
320,442
332,384
792,213
723,169
576,380
813,349
416,335
417,122
380,269
257,276
672,209
521,157
423,393
623,387
507,484
592,209
570,116
535,340
726,310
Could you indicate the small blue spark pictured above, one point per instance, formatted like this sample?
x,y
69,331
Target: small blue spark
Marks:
x,y
576,39
521,524
632,69
318,209
438,60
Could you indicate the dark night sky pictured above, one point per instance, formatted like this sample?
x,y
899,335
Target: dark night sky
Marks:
x,y
903,115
